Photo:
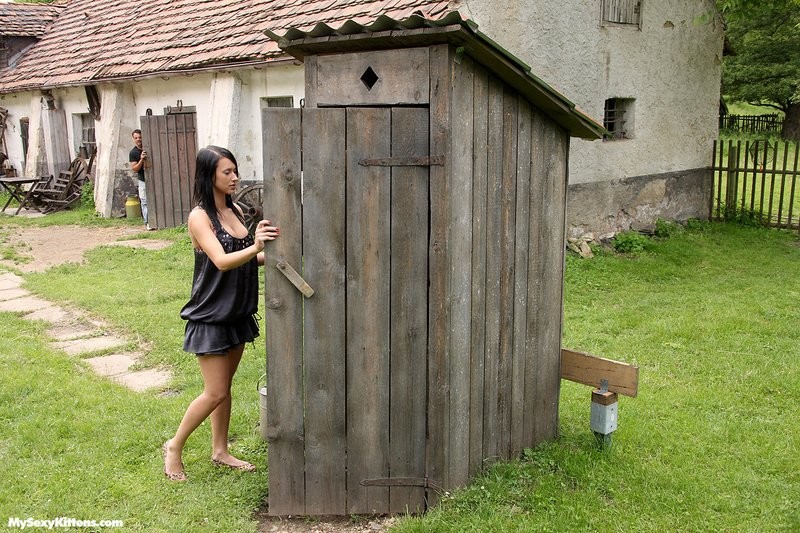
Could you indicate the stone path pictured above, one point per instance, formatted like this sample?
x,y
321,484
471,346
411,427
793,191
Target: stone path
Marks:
x,y
79,336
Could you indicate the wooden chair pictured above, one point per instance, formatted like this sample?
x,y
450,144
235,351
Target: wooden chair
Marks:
x,y
54,194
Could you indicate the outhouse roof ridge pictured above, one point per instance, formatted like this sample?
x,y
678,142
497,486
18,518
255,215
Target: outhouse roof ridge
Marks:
x,y
451,27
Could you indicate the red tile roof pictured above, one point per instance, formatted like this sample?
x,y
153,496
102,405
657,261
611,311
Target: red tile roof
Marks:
x,y
27,20
116,39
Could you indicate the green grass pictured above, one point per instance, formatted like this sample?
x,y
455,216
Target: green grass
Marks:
x,y
743,108
710,444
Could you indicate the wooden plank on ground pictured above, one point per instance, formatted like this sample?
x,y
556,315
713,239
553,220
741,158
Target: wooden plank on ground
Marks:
x,y
589,369
284,312
368,265
409,310
324,231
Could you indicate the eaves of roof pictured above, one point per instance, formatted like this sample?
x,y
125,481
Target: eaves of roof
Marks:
x,y
385,32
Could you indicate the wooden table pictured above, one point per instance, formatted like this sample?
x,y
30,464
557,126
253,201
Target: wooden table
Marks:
x,y
14,186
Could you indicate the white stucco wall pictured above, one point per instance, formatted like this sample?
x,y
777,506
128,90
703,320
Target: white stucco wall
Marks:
x,y
671,67
18,106
227,105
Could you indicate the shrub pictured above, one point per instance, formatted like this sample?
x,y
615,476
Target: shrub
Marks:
x,y
666,229
630,242
87,195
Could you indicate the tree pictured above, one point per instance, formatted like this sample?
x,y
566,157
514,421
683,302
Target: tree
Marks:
x,y
763,67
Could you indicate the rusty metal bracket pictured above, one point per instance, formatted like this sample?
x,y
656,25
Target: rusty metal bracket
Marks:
x,y
425,161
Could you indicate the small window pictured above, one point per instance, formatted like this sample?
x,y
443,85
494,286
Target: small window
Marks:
x,y
84,134
277,101
622,11
618,118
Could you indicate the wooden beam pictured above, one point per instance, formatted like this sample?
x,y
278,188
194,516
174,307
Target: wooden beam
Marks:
x,y
589,370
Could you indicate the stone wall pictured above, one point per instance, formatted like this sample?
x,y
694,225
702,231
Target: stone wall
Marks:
x,y
636,203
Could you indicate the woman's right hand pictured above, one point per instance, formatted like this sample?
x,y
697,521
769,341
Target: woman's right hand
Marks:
x,y
265,231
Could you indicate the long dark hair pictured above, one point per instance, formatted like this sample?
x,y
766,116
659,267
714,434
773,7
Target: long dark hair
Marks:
x,y
205,170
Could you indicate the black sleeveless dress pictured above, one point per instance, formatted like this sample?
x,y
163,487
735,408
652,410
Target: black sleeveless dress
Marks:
x,y
220,312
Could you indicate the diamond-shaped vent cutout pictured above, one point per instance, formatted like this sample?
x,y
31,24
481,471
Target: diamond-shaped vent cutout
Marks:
x,y
369,78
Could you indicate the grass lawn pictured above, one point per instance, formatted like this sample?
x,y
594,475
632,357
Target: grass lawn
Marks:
x,y
712,442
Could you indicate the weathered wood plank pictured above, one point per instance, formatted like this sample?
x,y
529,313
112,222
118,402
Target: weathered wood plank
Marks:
x,y
325,347
536,272
522,217
460,198
507,237
553,220
284,312
402,78
587,369
478,282
149,127
172,171
439,265
185,174
494,228
368,256
409,312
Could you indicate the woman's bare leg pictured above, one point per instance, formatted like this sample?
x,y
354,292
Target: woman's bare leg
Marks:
x,y
221,418
216,388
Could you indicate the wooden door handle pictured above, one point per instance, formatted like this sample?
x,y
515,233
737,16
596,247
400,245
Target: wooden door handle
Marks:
x,y
295,278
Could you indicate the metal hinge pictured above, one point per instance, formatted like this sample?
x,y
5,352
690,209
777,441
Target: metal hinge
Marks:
x,y
426,161
402,482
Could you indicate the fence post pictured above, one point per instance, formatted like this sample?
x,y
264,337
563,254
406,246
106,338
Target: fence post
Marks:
x,y
732,186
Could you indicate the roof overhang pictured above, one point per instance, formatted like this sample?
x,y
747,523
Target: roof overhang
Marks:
x,y
387,33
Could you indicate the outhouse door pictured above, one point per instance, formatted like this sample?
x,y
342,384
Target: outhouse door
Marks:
x,y
347,367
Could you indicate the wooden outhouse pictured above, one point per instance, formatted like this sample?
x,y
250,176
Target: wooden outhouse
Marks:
x,y
421,194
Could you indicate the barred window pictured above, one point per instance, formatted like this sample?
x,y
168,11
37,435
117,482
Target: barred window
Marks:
x,y
622,11
618,118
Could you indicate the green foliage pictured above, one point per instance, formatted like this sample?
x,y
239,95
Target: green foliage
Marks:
x,y
765,66
666,229
630,242
87,195
744,216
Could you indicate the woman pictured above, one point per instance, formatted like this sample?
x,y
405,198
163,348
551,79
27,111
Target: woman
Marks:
x,y
224,299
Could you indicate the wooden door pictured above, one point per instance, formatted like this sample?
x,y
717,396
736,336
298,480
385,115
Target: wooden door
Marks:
x,y
347,368
170,141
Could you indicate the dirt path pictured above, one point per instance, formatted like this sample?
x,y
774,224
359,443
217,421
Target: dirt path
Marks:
x,y
35,249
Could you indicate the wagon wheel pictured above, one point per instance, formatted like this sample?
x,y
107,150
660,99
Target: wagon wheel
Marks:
x,y
250,199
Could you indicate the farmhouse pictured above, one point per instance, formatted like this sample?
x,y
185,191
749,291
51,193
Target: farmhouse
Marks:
x,y
79,76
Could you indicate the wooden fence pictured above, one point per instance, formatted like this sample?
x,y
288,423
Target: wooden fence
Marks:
x,y
772,123
756,180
